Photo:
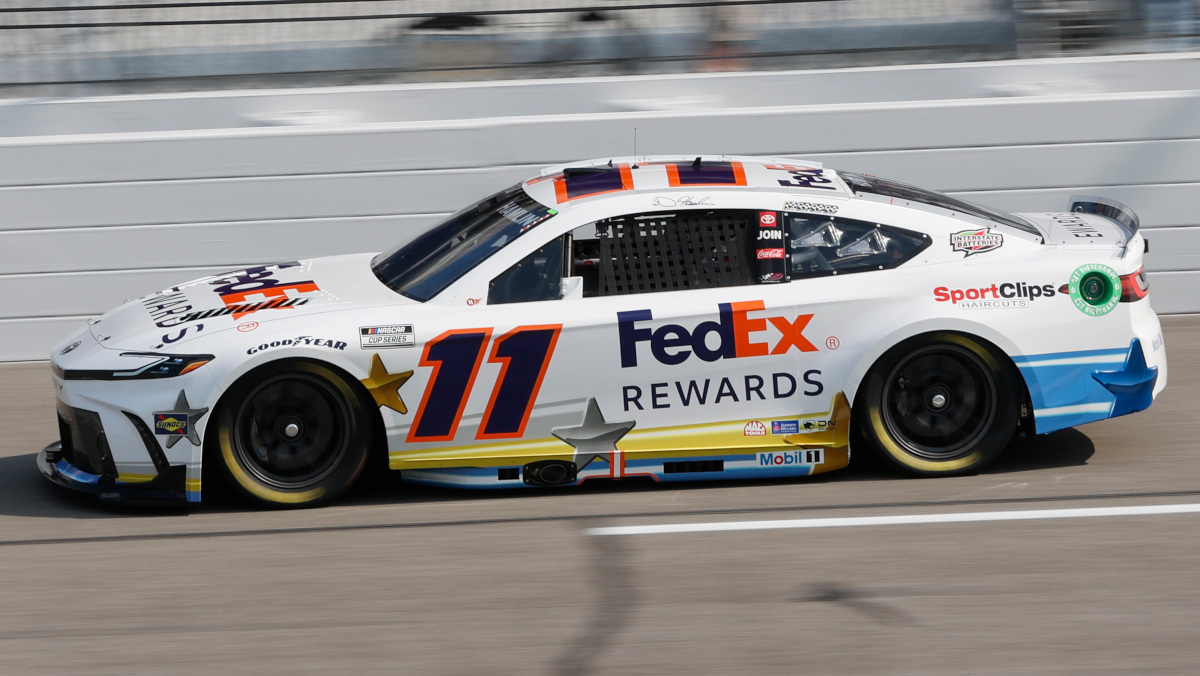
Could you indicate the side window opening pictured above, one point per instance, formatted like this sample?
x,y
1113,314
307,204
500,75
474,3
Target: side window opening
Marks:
x,y
825,245
538,276
664,251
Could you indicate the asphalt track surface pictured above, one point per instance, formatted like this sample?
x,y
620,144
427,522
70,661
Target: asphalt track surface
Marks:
x,y
898,576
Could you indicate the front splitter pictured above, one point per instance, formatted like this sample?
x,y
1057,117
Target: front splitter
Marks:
x,y
54,466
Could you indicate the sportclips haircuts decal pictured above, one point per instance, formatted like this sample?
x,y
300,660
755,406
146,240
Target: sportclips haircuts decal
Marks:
x,y
735,330
455,357
996,296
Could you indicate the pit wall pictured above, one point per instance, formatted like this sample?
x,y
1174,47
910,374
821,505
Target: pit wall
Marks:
x,y
107,199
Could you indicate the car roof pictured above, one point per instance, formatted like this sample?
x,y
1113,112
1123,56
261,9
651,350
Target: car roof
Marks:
x,y
593,179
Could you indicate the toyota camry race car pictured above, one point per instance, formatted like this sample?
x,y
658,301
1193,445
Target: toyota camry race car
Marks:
x,y
672,318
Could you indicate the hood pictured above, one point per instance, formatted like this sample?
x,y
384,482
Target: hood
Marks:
x,y
226,301
1073,228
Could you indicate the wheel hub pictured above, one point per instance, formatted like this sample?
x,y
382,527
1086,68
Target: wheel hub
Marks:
x,y
290,427
937,399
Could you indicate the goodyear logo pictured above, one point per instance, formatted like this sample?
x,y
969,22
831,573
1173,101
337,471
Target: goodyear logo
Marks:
x,y
171,424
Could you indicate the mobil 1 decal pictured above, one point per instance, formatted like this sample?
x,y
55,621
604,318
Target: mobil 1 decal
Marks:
x,y
770,249
733,334
455,356
798,176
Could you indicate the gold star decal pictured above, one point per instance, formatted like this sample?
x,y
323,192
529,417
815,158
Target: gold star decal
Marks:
x,y
384,386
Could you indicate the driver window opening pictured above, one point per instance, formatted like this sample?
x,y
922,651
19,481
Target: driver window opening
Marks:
x,y
664,251
826,245
539,276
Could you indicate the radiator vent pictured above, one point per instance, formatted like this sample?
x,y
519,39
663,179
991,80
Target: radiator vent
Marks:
x,y
693,466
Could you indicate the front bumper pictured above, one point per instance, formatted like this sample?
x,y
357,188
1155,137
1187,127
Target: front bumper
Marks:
x,y
170,485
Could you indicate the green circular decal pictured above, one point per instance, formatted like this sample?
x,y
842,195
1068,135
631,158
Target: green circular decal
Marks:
x,y
1095,289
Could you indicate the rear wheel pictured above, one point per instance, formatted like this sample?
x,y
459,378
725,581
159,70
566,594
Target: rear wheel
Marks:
x,y
293,434
940,404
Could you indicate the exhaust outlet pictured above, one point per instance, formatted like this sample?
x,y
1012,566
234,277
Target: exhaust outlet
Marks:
x,y
549,473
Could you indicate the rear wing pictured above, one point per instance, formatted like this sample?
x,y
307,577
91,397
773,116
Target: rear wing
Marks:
x,y
1109,208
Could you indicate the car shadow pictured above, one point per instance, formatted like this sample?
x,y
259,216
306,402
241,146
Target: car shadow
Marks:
x,y
24,492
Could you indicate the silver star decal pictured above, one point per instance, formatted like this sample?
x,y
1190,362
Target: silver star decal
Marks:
x,y
594,438
182,407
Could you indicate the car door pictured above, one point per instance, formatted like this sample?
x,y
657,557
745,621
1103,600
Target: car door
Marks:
x,y
676,334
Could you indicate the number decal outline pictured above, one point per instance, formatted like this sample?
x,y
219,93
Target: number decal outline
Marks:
x,y
501,380
435,388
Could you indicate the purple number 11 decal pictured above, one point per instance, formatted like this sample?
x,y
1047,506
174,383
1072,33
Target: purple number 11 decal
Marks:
x,y
455,357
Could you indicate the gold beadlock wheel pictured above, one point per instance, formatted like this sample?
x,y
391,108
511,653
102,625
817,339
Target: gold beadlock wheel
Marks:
x,y
292,434
940,404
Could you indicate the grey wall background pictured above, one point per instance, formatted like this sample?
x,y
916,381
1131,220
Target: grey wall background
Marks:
x,y
110,198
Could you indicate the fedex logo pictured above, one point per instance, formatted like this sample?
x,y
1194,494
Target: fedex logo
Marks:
x,y
672,344
240,287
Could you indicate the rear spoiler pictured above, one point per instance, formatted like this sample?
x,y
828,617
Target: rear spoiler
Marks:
x,y
1109,208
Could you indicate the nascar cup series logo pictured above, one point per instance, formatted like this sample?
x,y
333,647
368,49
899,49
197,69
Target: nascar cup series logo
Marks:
x,y
976,241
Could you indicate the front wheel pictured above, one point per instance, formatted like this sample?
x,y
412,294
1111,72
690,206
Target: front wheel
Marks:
x,y
940,404
294,434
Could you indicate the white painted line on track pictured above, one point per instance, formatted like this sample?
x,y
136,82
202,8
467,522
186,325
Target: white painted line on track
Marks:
x,y
899,520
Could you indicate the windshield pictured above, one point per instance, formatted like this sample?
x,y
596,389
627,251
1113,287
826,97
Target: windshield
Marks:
x,y
889,188
422,268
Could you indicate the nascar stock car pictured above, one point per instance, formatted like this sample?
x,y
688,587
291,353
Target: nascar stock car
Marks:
x,y
673,318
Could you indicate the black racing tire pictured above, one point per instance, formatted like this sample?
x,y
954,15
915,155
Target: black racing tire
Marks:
x,y
939,404
292,434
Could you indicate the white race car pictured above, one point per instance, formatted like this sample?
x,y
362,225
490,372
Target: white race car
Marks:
x,y
674,318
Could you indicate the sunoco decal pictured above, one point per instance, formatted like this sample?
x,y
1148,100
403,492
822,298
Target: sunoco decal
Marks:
x,y
171,424
398,335
976,241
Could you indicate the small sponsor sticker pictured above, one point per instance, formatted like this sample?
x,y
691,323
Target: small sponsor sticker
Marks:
x,y
785,427
299,341
375,337
811,206
171,424
802,456
771,277
767,219
766,254
976,241
1104,289
754,429
248,326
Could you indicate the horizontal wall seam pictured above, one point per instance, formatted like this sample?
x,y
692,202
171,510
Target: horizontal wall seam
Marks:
x,y
182,224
